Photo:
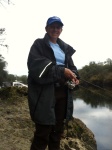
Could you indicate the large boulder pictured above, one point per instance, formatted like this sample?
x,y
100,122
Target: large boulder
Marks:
x,y
77,136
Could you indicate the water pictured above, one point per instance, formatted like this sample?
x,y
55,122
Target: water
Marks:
x,y
96,113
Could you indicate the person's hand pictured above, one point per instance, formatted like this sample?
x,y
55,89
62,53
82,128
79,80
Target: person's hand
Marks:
x,y
71,76
76,81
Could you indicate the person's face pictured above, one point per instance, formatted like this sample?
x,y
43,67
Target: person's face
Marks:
x,y
54,30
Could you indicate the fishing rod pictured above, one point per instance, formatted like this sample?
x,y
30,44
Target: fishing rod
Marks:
x,y
109,97
95,92
96,86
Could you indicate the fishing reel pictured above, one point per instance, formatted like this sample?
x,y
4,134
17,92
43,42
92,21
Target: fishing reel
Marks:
x,y
70,84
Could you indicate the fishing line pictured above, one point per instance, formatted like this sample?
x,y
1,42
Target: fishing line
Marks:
x,y
95,92
96,86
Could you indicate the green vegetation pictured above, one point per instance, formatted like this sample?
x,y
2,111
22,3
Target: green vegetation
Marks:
x,y
12,93
5,77
3,72
97,73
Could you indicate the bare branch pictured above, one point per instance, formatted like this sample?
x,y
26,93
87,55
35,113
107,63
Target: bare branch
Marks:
x,y
5,1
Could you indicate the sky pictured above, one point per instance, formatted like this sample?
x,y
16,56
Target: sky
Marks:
x,y
87,28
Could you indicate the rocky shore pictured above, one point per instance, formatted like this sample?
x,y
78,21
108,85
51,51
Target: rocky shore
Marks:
x,y
79,137
16,127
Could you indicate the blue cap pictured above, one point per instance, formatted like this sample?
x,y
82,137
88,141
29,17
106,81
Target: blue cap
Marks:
x,y
54,19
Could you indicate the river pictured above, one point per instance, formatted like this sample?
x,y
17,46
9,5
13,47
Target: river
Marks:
x,y
94,108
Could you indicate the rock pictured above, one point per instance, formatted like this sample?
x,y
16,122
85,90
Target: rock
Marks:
x,y
78,137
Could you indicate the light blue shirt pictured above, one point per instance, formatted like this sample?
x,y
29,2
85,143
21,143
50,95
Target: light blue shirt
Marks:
x,y
58,53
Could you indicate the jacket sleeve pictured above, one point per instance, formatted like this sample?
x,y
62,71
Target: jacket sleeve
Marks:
x,y
70,63
41,69
73,68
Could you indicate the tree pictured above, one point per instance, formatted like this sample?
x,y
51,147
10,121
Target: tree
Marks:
x,y
2,2
23,78
3,72
109,61
2,38
97,73
11,78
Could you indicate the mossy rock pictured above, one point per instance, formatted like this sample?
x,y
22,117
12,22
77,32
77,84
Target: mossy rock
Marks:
x,y
78,137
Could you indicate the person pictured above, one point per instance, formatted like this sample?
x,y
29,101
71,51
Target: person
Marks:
x,y
50,71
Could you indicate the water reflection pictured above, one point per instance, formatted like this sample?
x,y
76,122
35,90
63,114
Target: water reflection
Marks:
x,y
95,97
96,112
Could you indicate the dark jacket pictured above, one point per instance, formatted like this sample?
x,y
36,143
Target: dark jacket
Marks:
x,y
43,74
